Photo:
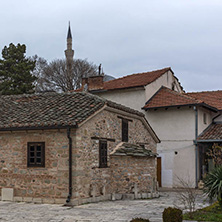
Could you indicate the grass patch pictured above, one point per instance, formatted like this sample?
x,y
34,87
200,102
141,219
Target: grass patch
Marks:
x,y
210,213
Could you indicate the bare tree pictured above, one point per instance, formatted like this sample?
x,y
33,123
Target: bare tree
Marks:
x,y
186,194
56,77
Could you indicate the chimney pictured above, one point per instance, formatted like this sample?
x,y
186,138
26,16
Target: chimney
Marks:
x,y
95,83
92,83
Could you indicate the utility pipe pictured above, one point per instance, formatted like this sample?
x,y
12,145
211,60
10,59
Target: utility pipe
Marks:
x,y
70,165
196,148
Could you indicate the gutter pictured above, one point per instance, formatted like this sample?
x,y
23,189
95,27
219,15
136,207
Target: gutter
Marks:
x,y
173,106
37,127
70,166
111,90
196,147
216,117
210,141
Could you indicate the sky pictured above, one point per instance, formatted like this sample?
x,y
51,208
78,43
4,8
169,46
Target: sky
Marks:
x,y
125,36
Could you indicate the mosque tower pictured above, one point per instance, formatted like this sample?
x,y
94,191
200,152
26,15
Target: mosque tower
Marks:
x,y
69,52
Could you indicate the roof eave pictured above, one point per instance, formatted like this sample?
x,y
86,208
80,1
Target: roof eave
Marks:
x,y
214,109
37,127
173,106
125,88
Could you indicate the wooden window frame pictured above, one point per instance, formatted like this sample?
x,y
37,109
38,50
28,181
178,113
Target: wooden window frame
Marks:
x,y
125,130
33,154
103,154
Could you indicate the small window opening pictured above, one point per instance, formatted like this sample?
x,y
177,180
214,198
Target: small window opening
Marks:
x,y
36,154
102,154
125,136
205,118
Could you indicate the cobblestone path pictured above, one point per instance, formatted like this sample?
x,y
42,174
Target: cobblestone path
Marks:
x,y
123,210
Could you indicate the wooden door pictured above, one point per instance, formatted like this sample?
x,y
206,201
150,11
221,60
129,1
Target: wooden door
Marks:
x,y
159,171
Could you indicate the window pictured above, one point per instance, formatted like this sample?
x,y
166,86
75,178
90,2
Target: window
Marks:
x,y
102,154
124,130
36,154
205,118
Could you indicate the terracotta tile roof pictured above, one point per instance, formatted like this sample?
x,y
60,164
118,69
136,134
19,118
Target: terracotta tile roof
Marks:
x,y
135,80
166,97
213,132
128,149
131,81
212,98
51,110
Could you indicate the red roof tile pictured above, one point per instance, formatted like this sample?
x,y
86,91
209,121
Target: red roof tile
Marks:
x,y
213,132
166,97
135,80
212,98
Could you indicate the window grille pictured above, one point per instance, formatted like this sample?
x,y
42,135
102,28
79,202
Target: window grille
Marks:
x,y
36,154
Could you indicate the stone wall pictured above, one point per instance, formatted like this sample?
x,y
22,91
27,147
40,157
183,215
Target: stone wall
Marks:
x,y
90,180
130,174
43,184
49,184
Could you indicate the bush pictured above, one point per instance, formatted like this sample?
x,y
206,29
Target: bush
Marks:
x,y
172,215
213,185
140,220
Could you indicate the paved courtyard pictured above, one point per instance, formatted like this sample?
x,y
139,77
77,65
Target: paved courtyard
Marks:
x,y
123,210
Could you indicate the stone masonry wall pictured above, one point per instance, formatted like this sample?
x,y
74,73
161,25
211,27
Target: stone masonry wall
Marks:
x,y
130,173
33,183
49,184
90,180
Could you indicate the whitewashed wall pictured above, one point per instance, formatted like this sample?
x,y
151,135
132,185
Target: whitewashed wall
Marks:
x,y
165,80
176,130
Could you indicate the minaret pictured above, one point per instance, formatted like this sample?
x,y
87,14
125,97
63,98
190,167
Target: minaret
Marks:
x,y
69,52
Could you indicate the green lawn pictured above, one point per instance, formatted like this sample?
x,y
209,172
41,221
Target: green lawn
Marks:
x,y
211,213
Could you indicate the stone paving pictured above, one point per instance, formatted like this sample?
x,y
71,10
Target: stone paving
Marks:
x,y
123,210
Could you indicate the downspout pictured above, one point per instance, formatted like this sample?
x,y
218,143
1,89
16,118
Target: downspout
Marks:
x,y
70,166
196,148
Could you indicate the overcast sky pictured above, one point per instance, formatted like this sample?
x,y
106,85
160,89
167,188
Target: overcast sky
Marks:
x,y
126,36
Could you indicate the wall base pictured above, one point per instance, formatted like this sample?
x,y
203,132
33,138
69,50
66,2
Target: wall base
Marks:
x,y
76,202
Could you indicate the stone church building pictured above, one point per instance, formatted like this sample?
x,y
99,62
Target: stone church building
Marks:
x,y
75,148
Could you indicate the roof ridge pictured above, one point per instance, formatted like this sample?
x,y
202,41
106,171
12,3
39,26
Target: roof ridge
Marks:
x,y
183,95
31,94
140,73
208,91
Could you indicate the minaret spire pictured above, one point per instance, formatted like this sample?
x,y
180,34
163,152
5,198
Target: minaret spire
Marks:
x,y
69,52
69,35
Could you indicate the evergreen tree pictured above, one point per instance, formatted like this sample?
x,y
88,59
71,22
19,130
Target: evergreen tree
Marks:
x,y
15,71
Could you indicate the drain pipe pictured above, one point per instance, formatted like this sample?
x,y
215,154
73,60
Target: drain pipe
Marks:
x,y
196,148
70,166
